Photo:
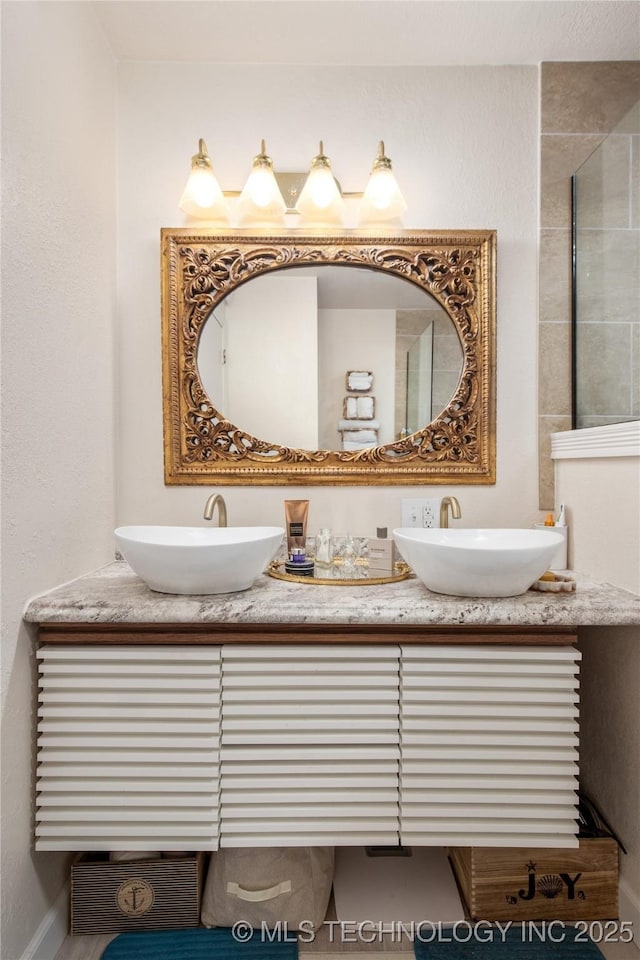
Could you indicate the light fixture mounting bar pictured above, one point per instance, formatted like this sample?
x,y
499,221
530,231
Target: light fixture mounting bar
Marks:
x,y
290,186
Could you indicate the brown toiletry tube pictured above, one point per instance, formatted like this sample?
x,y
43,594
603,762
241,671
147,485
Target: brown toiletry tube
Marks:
x,y
295,512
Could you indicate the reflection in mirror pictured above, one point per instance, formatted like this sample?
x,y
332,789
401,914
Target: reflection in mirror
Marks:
x,y
275,353
383,374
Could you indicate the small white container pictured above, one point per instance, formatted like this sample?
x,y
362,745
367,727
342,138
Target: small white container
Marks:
x,y
559,559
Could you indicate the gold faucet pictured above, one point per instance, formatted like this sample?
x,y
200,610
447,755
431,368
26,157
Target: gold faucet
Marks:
x,y
456,512
216,499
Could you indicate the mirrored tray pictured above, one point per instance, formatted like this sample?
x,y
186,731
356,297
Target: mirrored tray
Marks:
x,y
337,579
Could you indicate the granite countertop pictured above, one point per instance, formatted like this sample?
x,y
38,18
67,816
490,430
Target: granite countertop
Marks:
x,y
114,594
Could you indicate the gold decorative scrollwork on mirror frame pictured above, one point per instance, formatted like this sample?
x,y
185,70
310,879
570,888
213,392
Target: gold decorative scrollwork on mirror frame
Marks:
x,y
200,269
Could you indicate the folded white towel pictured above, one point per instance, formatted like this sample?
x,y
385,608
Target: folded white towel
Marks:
x,y
358,424
361,436
359,380
352,445
351,406
364,406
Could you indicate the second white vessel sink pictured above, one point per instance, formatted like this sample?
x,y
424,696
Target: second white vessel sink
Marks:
x,y
198,560
477,563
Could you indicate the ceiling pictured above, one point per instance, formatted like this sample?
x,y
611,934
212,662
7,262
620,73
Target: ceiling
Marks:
x,y
372,32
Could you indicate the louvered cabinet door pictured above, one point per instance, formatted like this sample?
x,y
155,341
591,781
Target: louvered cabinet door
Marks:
x,y
489,746
128,748
310,745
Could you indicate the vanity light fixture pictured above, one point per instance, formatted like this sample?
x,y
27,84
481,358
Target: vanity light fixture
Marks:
x,y
316,196
382,198
261,200
202,196
321,198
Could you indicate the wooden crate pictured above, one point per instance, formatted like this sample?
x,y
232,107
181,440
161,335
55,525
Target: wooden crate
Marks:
x,y
120,896
527,883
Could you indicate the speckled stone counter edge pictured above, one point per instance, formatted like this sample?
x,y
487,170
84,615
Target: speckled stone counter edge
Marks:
x,y
114,594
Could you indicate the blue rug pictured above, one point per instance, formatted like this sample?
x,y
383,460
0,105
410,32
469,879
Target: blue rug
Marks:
x,y
197,944
482,941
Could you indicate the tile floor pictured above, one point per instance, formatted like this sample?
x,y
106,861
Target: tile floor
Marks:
x,y
328,944
91,948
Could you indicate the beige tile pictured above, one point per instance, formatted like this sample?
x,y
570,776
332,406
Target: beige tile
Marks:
x,y
554,373
608,268
447,354
635,371
587,97
560,157
443,387
413,322
635,182
443,325
555,275
546,484
582,422
619,951
630,123
84,948
603,370
604,185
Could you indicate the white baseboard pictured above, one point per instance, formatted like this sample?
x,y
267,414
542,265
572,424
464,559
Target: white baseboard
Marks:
x,y
629,908
52,931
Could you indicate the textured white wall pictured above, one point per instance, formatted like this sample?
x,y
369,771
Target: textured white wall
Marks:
x,y
603,498
603,505
272,358
58,278
464,142
610,745
356,340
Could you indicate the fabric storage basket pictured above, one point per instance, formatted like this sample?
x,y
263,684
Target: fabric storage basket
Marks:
x,y
268,885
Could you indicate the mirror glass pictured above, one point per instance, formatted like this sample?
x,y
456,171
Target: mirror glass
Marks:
x,y
274,356
606,302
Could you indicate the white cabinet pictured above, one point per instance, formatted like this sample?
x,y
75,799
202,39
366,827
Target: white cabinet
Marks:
x,y
159,747
310,745
489,738
128,748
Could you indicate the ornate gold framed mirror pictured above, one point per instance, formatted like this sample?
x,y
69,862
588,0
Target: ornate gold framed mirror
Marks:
x,y
287,358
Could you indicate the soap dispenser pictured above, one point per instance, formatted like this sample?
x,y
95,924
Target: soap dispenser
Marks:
x,y
380,551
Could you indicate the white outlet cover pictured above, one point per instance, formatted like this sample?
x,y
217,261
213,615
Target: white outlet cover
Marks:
x,y
420,512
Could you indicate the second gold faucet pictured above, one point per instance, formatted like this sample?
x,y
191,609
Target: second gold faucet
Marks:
x,y
216,499
456,512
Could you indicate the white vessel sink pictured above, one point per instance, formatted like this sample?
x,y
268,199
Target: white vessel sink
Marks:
x,y
198,559
477,563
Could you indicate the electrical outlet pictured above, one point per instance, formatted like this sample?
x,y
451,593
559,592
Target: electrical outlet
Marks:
x,y
430,517
421,512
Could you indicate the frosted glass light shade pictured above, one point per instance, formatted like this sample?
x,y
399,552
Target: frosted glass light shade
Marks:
x,y
261,200
320,200
202,196
382,199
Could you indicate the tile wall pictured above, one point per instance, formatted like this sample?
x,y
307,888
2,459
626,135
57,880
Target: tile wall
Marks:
x,y
580,103
447,359
608,245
